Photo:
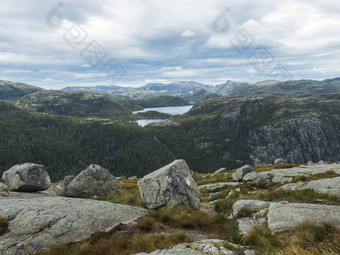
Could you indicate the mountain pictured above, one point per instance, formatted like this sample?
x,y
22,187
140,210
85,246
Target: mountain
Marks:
x,y
12,91
104,88
233,131
73,103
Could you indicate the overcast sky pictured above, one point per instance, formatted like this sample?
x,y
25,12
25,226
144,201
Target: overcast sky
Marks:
x,y
70,43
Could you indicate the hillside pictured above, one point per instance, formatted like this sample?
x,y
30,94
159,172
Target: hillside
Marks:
x,y
78,103
221,132
229,132
66,144
12,91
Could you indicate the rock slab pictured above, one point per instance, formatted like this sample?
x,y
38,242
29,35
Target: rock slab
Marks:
x,y
170,185
91,182
204,247
39,223
27,177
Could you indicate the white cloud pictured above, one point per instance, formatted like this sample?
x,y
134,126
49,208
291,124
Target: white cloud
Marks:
x,y
188,33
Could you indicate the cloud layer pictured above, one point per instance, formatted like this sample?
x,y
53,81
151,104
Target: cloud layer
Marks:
x,y
158,40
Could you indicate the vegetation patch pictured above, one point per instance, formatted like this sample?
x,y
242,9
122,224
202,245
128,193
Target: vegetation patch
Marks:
x,y
3,224
309,238
328,174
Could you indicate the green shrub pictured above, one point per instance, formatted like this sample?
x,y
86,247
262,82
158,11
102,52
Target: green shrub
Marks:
x,y
3,224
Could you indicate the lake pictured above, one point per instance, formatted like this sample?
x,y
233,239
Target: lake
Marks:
x,y
145,122
173,110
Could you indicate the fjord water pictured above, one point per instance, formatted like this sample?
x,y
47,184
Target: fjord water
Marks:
x,y
173,110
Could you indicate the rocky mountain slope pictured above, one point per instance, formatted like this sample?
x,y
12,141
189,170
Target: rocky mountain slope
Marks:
x,y
12,91
232,131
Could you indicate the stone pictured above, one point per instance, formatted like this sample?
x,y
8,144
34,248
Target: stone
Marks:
x,y
3,190
37,223
241,172
255,178
68,179
246,224
55,190
121,178
133,177
204,247
285,217
310,163
169,185
321,162
27,177
252,205
91,182
221,170
208,209
279,161
329,185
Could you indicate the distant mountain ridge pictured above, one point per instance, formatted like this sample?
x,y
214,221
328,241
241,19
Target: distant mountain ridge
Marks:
x,y
229,88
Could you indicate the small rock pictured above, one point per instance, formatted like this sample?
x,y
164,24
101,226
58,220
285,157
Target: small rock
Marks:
x,y
27,177
241,172
221,170
171,184
321,162
133,177
255,178
310,163
279,161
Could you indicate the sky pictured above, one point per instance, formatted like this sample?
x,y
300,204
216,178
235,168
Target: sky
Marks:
x,y
55,44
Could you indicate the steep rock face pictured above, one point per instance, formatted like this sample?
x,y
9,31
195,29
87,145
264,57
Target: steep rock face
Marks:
x,y
171,184
258,130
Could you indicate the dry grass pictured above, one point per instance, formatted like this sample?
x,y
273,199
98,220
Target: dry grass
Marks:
x,y
130,195
309,238
328,174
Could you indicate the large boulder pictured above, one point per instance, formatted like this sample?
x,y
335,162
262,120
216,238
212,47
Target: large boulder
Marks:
x,y
241,172
91,182
27,177
170,185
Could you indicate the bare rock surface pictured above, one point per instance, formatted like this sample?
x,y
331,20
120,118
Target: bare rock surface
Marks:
x,y
39,221
283,217
329,185
170,185
27,177
281,175
204,247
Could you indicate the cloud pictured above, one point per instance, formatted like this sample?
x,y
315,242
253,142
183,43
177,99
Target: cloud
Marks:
x,y
167,40
188,33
